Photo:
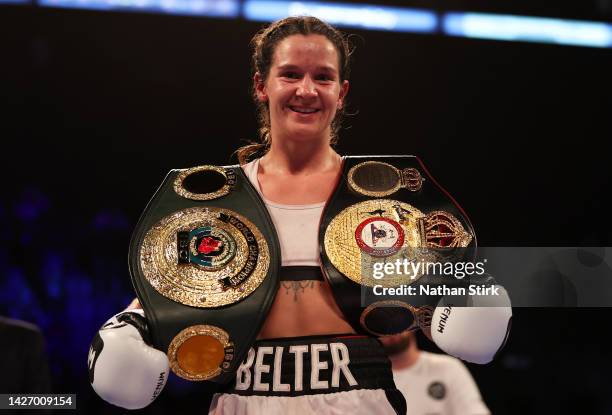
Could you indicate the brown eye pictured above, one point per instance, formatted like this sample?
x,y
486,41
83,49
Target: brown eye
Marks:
x,y
291,75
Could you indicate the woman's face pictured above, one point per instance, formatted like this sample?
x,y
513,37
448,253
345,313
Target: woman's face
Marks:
x,y
303,89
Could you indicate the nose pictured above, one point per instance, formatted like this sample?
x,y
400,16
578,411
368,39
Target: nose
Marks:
x,y
306,88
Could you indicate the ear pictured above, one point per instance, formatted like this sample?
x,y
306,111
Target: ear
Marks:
x,y
260,87
343,92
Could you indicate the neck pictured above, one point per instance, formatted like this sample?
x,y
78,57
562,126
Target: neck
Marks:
x,y
406,358
300,157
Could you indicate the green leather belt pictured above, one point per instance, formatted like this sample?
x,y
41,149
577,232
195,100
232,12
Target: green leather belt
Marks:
x,y
204,260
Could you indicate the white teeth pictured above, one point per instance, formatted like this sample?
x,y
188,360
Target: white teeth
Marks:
x,y
304,110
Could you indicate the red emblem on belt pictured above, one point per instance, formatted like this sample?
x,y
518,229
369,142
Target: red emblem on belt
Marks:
x,y
208,245
379,236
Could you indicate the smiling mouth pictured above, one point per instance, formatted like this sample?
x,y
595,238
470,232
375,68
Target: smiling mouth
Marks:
x,y
303,110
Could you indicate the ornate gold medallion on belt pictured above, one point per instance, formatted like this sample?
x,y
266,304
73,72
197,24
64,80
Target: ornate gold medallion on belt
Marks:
x,y
204,257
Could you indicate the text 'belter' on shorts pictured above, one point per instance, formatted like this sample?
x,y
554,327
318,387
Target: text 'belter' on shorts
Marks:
x,y
333,374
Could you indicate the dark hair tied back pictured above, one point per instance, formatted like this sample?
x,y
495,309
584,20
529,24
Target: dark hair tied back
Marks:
x,y
264,44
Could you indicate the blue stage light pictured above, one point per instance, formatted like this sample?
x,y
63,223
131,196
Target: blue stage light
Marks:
x,y
528,29
363,16
209,8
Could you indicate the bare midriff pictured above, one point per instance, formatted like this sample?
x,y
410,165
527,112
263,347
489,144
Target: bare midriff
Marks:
x,y
304,308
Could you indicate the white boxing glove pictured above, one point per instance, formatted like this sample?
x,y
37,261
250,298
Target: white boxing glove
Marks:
x,y
476,332
123,369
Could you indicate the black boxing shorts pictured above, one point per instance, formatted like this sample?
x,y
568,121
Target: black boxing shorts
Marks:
x,y
323,375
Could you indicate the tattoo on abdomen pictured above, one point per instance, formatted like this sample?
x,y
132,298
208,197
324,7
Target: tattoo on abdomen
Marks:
x,y
298,286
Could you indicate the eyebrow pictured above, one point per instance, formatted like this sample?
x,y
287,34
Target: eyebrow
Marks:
x,y
289,66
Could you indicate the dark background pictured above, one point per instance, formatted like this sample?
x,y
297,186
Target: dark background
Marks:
x,y
97,107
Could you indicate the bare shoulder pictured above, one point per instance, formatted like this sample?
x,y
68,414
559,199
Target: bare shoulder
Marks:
x,y
135,304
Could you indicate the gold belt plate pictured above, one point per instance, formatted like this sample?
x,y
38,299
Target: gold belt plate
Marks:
x,y
384,231
223,282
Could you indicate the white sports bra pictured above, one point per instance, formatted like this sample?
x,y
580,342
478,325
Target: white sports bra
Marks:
x,y
297,226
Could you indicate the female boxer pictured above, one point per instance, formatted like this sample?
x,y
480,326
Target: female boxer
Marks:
x,y
300,83
307,358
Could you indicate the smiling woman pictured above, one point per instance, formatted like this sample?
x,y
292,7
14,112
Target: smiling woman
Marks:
x,y
256,275
300,84
290,50
303,90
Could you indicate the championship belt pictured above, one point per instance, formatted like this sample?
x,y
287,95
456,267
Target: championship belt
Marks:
x,y
387,209
204,261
